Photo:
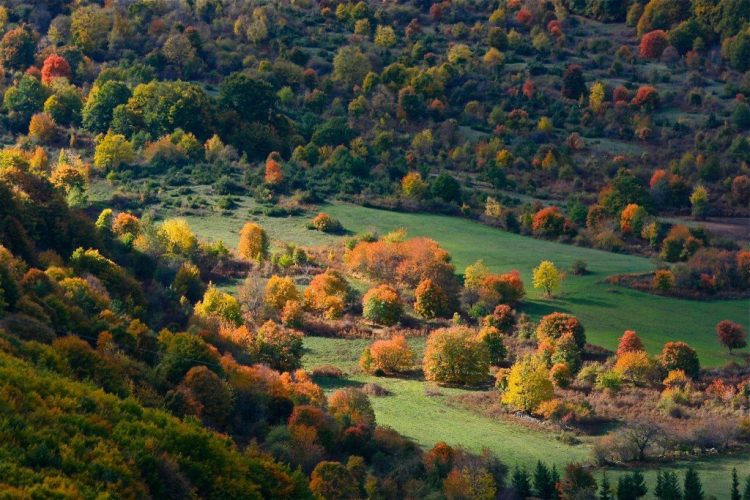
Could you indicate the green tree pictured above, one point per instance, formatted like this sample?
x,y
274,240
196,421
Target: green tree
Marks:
x,y
101,102
253,99
735,494
693,488
90,27
746,493
350,66
446,188
333,481
113,150
520,481
24,100
544,484
605,489
65,103
184,351
667,486
631,486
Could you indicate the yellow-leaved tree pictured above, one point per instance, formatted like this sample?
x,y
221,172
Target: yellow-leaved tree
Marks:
x,y
529,385
547,277
253,243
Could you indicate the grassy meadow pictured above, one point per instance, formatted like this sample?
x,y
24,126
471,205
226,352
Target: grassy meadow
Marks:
x,y
427,413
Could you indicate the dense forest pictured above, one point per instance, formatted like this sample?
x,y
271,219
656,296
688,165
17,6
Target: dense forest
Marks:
x,y
141,358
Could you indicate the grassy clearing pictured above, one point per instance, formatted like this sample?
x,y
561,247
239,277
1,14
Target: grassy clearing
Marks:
x,y
419,410
605,311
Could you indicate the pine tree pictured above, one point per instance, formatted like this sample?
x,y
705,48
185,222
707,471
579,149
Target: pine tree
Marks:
x,y
693,487
521,482
746,493
667,486
735,485
605,490
555,478
631,486
544,486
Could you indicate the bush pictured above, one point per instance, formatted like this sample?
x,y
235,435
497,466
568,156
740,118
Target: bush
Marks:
x,y
387,356
279,290
325,223
430,300
680,356
382,305
456,356
653,44
529,385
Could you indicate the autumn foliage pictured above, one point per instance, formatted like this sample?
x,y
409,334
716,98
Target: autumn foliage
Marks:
x,y
328,294
273,173
731,334
253,243
383,305
430,300
455,355
653,44
387,356
54,67
680,356
629,342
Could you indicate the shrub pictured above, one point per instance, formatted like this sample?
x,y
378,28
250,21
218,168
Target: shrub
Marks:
x,y
387,356
113,150
503,318
350,407
664,280
680,356
608,381
279,290
42,129
456,356
325,223
529,385
328,294
548,222
413,186
636,367
493,339
501,289
382,305
430,300
561,375
278,347
333,480
217,304
632,218
553,326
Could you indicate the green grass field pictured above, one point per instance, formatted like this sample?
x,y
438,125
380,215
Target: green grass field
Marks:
x,y
605,310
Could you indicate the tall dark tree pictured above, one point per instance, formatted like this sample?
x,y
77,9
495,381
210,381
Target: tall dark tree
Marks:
x,y
735,495
544,484
251,98
605,489
574,86
631,486
520,481
667,486
693,488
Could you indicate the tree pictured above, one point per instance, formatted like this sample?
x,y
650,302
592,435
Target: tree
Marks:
x,y
631,486
385,36
42,129
182,352
413,186
101,102
735,494
653,44
90,27
636,367
328,293
113,150
430,300
693,489
632,218
520,481
577,482
555,325
629,342
455,356
24,99
332,480
605,490
680,356
212,394
383,305
544,483
351,407
528,385
178,236
731,335
547,278
219,305
746,493
388,356
350,66
54,67
65,103
446,188
326,224
279,290
699,202
274,174
597,96
548,222
493,340
17,49
574,86
667,486
253,244
277,346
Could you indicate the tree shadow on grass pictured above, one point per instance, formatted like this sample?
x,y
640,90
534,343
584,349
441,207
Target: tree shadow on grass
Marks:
x,y
590,302
542,308
331,383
